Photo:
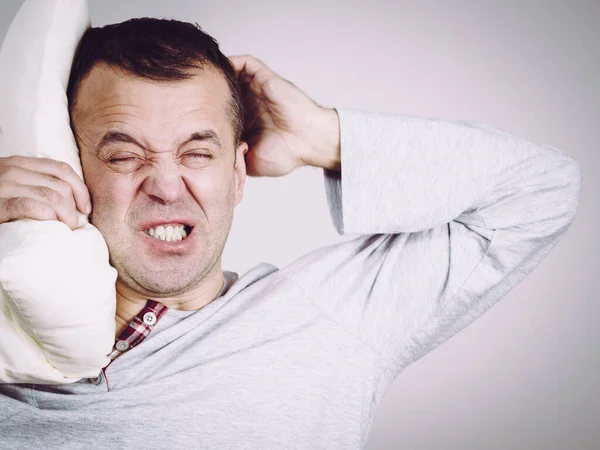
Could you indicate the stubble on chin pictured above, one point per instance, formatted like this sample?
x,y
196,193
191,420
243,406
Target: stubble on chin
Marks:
x,y
171,275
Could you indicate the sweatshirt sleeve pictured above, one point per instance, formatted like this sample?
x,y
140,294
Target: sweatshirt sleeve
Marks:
x,y
449,217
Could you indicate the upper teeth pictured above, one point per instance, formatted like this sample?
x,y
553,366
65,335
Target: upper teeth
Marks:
x,y
174,232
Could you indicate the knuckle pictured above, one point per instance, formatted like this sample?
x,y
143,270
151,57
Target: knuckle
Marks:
x,y
47,193
20,205
51,178
63,167
58,166
62,186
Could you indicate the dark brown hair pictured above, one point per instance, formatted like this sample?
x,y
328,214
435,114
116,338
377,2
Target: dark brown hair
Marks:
x,y
156,49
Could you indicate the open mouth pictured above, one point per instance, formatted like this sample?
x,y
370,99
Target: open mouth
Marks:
x,y
173,232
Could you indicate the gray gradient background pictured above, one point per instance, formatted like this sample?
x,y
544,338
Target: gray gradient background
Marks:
x,y
525,375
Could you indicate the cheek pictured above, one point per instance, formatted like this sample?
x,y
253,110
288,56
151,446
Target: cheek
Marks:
x,y
110,195
94,175
212,191
110,201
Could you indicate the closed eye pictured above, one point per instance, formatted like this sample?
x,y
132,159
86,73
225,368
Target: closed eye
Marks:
x,y
125,163
195,155
116,160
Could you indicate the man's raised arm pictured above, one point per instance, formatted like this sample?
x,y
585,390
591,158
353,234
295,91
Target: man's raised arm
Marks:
x,y
451,216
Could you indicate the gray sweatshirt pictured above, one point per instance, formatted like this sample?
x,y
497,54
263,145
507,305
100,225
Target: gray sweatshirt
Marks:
x,y
448,218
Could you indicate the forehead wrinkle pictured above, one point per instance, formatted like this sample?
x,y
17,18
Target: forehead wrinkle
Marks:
x,y
114,118
107,116
175,122
99,97
134,135
202,127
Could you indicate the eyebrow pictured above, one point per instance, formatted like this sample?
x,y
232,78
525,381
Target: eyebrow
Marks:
x,y
205,135
116,137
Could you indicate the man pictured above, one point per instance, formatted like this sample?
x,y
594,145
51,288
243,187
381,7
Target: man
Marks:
x,y
450,217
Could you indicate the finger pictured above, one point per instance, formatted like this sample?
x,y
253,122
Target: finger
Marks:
x,y
19,175
62,171
239,62
250,159
25,208
251,70
64,210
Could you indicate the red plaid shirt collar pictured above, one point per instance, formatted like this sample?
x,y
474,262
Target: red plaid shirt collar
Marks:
x,y
139,328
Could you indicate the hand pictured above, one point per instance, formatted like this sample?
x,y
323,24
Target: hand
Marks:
x,y
41,189
283,127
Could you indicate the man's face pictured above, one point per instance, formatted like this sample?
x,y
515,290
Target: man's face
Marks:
x,y
158,154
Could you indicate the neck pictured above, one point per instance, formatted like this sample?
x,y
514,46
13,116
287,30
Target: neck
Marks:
x,y
130,302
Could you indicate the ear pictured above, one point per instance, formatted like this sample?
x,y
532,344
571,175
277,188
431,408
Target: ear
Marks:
x,y
240,171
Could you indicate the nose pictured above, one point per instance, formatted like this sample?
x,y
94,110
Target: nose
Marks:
x,y
164,184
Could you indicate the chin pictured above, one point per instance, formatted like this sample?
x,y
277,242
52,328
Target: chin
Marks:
x,y
166,274
157,280
165,288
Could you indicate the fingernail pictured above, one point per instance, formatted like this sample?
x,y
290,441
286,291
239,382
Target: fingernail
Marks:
x,y
88,208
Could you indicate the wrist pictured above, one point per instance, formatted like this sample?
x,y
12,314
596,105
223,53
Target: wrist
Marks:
x,y
324,141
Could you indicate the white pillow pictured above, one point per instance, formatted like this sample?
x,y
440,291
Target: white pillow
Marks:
x,y
57,289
